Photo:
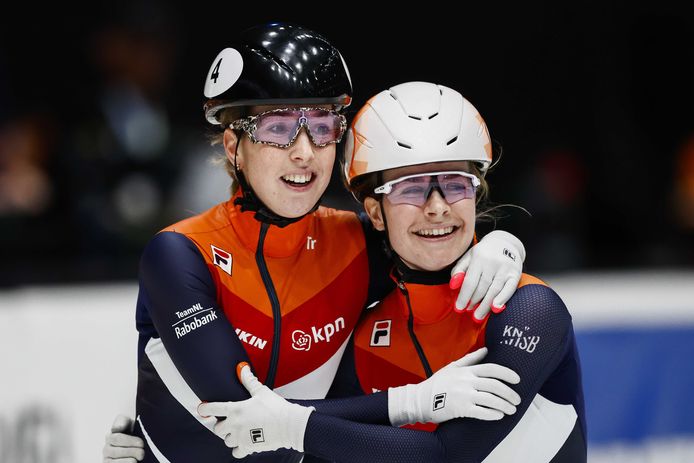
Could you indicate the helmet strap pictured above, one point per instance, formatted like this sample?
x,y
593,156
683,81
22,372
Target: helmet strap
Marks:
x,y
386,240
407,275
249,201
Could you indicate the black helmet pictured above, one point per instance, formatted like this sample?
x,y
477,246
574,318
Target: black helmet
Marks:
x,y
277,64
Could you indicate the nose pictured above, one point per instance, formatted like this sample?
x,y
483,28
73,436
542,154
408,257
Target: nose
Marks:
x,y
436,205
302,150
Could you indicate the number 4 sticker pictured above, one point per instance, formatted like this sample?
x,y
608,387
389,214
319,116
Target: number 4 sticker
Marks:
x,y
215,71
224,72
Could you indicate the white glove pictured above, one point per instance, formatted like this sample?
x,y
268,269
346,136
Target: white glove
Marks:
x,y
458,390
262,423
120,446
489,273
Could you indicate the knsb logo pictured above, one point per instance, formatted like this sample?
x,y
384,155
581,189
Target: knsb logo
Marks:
x,y
380,335
515,337
303,341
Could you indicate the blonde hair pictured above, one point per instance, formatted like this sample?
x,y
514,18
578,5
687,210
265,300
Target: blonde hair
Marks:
x,y
226,117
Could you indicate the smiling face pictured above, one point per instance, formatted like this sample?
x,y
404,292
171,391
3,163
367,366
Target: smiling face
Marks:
x,y
428,237
289,181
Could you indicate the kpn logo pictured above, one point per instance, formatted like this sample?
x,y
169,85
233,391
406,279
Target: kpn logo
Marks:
x,y
302,340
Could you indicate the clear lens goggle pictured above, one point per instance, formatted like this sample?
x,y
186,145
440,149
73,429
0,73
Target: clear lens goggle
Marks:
x,y
280,127
416,189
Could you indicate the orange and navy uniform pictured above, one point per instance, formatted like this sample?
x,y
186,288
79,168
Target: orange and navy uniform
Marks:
x,y
413,332
412,324
222,287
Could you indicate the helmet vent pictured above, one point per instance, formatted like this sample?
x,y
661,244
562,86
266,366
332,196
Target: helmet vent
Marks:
x,y
404,145
433,115
452,140
415,118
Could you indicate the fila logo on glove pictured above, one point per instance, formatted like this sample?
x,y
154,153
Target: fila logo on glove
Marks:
x,y
439,401
257,435
303,341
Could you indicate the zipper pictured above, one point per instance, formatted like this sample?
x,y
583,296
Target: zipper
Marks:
x,y
274,301
410,328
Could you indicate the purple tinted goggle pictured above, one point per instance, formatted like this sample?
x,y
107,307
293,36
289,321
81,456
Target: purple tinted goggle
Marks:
x,y
280,127
416,189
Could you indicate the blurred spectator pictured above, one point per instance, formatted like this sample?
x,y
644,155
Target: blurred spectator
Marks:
x,y
28,194
25,185
102,139
4,91
683,202
661,102
124,150
684,186
555,193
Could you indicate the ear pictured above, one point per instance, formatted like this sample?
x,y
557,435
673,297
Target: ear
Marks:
x,y
374,211
230,140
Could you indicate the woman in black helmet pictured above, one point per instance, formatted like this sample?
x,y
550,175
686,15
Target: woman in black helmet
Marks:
x,y
275,67
269,276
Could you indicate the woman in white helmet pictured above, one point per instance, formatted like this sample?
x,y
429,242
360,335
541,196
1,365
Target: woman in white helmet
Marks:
x,y
267,277
416,157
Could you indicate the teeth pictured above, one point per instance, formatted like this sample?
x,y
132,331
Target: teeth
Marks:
x,y
298,178
435,231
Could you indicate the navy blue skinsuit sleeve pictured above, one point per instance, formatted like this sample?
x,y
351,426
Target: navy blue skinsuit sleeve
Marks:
x,y
174,278
535,338
552,365
177,304
346,398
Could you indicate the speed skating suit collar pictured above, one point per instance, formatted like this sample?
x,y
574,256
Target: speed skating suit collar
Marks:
x,y
249,201
281,241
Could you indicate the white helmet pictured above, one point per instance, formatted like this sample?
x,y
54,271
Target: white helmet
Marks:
x,y
415,123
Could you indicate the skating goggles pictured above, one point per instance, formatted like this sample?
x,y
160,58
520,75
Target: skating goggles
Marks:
x,y
416,189
280,127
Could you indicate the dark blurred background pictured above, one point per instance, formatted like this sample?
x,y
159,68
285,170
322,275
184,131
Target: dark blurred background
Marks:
x,y
103,140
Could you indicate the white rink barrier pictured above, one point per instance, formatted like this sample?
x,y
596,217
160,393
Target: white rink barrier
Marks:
x,y
68,366
635,334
